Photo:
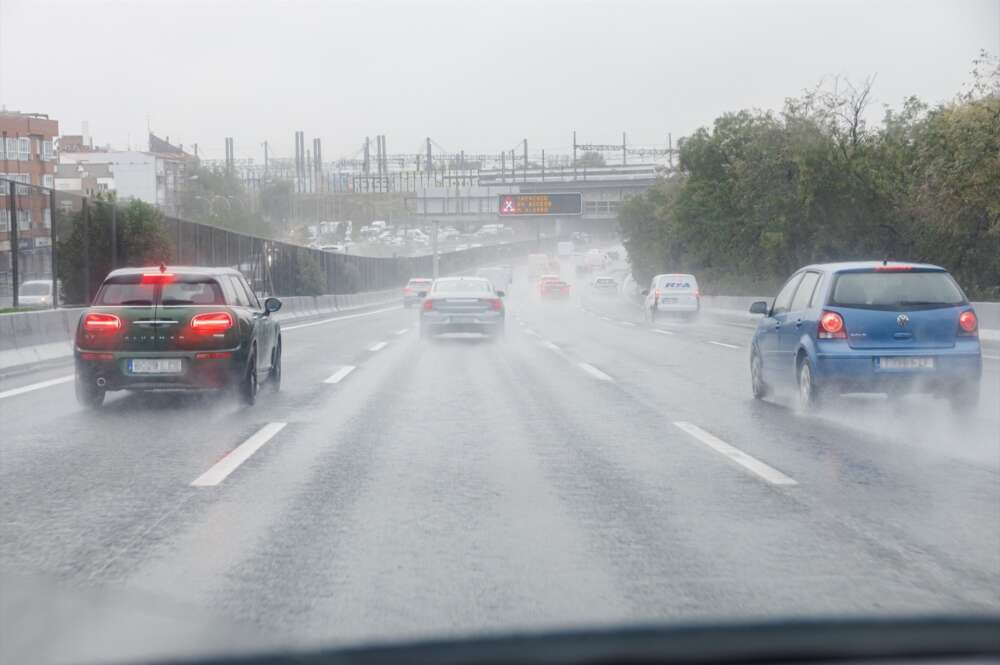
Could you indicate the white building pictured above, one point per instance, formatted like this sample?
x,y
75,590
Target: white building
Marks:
x,y
155,178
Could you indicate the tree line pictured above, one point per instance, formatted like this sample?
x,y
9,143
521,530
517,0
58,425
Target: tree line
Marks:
x,y
760,193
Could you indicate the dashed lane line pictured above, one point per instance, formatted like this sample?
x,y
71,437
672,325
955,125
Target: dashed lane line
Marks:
x,y
661,331
723,344
377,346
402,332
594,372
36,386
225,466
748,462
341,374
339,318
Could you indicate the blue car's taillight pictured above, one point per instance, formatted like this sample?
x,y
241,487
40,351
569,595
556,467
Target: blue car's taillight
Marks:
x,y
968,324
831,326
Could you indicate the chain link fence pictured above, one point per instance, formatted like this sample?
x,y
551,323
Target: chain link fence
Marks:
x,y
57,247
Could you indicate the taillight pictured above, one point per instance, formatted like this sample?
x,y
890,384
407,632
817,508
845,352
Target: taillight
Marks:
x,y
656,294
211,323
428,305
495,304
97,322
968,322
831,326
407,290
97,356
213,355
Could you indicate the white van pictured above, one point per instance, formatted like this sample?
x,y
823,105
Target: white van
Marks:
x,y
671,293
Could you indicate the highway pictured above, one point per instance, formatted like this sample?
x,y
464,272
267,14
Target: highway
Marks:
x,y
586,470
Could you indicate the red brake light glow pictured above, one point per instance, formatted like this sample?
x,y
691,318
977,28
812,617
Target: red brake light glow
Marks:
x,y
428,305
888,268
211,323
98,322
495,304
967,322
831,326
96,356
157,277
213,355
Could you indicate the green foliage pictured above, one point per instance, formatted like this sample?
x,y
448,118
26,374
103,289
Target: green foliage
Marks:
x,y
218,198
142,240
760,194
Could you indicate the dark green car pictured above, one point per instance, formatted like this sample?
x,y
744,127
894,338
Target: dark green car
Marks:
x,y
177,328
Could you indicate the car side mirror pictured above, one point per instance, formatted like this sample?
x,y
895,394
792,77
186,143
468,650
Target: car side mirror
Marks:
x,y
645,292
759,307
501,293
272,305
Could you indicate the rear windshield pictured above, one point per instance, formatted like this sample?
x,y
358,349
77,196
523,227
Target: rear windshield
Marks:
x,y
462,286
677,283
896,290
192,293
125,294
35,289
125,290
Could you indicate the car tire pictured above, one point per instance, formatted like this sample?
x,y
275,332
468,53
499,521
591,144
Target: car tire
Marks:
x,y
810,395
274,380
248,386
88,395
757,383
964,399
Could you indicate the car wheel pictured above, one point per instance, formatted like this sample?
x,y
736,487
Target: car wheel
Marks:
x,y
810,395
275,379
248,386
88,395
964,399
760,388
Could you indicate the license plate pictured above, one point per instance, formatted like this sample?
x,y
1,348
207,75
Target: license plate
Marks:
x,y
462,319
155,366
668,301
897,362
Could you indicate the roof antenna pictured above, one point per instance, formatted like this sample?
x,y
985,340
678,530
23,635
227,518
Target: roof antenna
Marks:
x,y
163,267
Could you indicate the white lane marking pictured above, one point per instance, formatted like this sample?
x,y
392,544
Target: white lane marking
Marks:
x,y
605,318
341,374
403,331
549,345
988,357
728,346
752,464
240,454
377,346
36,386
662,331
529,331
627,323
340,318
594,372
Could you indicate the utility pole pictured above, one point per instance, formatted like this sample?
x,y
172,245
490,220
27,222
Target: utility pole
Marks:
x,y
15,249
670,149
430,159
525,160
624,158
503,167
265,156
367,163
385,157
378,155
543,165
574,154
318,162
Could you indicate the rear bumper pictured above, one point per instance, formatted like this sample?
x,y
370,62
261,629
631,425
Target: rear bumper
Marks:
x,y
196,373
487,324
860,372
678,307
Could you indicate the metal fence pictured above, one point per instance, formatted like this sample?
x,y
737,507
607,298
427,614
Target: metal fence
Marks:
x,y
71,242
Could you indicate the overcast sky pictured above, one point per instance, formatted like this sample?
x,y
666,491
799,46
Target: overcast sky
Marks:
x,y
473,75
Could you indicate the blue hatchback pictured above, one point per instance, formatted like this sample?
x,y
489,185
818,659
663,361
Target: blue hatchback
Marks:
x,y
875,327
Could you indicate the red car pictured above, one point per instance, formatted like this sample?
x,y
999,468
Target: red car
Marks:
x,y
550,287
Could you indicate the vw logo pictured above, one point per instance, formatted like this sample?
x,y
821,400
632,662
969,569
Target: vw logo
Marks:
x,y
902,320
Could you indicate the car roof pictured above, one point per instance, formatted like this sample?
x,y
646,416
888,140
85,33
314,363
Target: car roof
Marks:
x,y
191,270
842,266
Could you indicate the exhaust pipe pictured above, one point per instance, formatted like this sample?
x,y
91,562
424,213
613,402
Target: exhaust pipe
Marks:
x,y
101,382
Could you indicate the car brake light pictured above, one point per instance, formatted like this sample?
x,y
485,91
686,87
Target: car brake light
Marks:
x,y
96,356
157,277
656,294
428,305
968,322
101,323
831,326
888,268
496,304
407,290
213,355
211,323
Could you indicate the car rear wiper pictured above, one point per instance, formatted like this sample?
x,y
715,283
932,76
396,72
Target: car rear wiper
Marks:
x,y
174,301
904,303
137,302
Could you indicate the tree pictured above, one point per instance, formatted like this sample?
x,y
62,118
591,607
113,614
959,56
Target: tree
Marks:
x,y
84,249
590,159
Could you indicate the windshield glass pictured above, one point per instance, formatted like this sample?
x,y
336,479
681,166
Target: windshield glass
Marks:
x,y
35,288
378,322
896,290
462,286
